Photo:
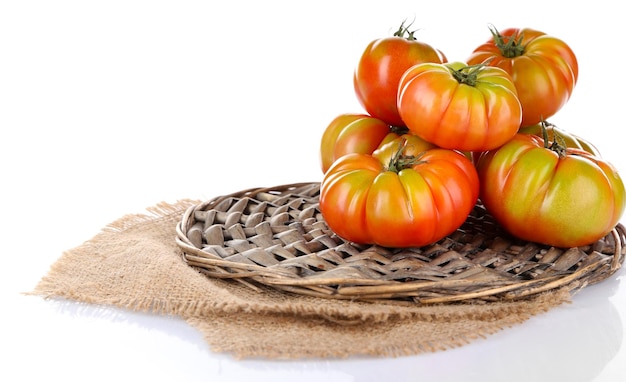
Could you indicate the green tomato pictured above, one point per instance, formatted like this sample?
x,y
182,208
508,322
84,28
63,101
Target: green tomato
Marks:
x,y
564,197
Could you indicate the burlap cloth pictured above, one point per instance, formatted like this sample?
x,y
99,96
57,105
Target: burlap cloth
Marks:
x,y
134,263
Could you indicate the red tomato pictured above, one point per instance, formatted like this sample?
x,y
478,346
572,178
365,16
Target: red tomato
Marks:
x,y
411,201
543,68
380,67
547,194
358,133
455,106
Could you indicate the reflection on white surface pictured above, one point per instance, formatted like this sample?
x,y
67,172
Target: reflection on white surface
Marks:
x,y
574,342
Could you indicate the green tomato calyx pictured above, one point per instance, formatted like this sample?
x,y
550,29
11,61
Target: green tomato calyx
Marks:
x,y
400,130
404,32
400,160
510,46
467,75
558,145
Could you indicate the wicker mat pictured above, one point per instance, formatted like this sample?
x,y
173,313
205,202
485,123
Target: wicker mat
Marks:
x,y
134,263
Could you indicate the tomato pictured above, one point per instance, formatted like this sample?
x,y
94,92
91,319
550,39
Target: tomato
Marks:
x,y
565,138
455,106
408,201
351,133
544,69
358,133
544,193
380,67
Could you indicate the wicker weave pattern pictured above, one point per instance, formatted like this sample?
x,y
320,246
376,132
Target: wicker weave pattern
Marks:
x,y
277,237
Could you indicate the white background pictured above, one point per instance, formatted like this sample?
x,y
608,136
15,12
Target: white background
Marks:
x,y
109,107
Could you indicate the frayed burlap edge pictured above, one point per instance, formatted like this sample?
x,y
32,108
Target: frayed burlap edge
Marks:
x,y
281,336
134,263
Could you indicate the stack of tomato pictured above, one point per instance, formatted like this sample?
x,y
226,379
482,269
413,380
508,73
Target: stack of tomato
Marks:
x,y
437,136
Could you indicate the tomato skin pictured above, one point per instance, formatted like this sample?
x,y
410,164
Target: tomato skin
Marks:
x,y
359,133
545,69
363,202
451,114
537,195
380,68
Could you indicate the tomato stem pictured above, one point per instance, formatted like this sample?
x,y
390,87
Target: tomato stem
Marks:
x,y
558,144
404,30
510,48
400,130
468,74
399,160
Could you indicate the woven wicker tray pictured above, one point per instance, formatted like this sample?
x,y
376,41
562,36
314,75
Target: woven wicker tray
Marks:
x,y
277,237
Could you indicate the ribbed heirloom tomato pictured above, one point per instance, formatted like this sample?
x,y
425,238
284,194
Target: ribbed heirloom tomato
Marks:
x,y
359,133
380,67
455,106
544,69
398,197
545,193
